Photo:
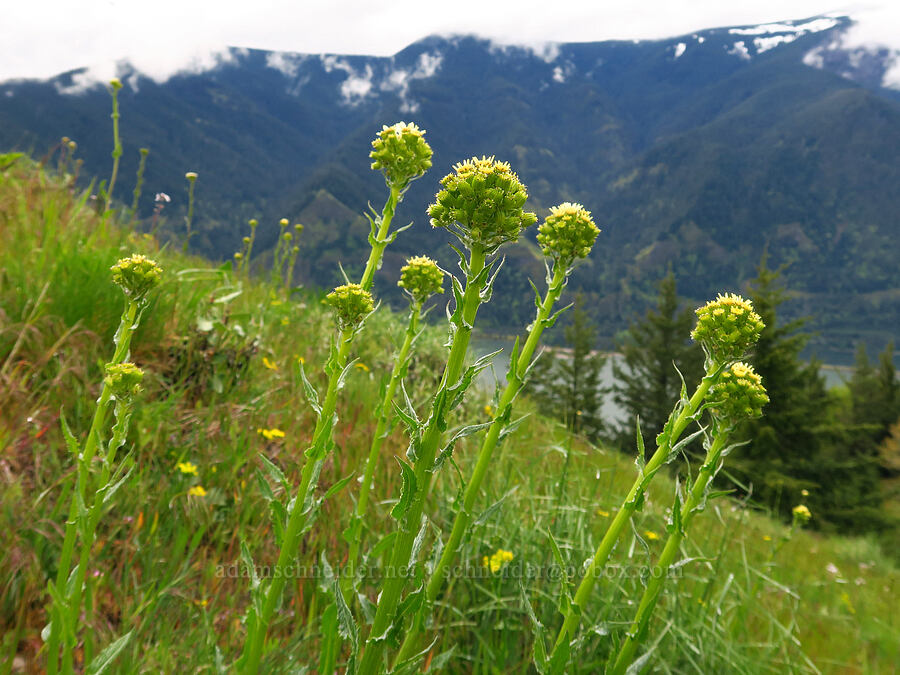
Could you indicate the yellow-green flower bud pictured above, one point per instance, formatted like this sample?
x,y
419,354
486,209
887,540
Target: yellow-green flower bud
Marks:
x,y
124,379
298,228
246,240
144,152
295,249
191,176
421,278
739,394
351,303
567,233
115,83
481,203
283,222
72,145
727,327
401,153
238,255
136,276
253,223
802,514
287,236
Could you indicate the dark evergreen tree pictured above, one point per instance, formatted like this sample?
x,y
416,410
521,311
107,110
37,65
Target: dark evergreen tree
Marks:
x,y
798,444
875,392
646,380
568,385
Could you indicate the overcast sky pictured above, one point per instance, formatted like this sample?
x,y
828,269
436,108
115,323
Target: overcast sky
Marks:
x,y
41,38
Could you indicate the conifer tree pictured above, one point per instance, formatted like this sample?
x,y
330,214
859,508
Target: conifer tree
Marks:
x,y
798,445
568,387
646,380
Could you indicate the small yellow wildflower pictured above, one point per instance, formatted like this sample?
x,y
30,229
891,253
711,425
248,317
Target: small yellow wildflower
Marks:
x,y
271,434
285,321
269,364
188,467
197,491
604,514
301,360
488,410
651,535
804,492
362,366
767,537
496,561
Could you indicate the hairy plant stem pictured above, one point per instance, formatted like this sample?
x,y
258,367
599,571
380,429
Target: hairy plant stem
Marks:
x,y
297,516
629,505
138,185
258,626
381,240
381,429
424,467
93,519
127,324
667,557
190,216
117,148
504,409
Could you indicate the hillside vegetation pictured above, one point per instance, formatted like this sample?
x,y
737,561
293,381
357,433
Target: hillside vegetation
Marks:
x,y
221,355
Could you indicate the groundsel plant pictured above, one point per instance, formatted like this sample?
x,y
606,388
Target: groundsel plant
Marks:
x,y
114,85
738,395
567,234
401,153
726,328
420,279
482,204
137,276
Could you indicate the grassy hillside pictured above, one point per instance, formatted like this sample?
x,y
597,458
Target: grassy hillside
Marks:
x,y
221,354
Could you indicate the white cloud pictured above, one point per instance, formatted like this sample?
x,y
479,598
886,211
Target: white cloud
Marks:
x,y
398,80
740,50
764,44
41,38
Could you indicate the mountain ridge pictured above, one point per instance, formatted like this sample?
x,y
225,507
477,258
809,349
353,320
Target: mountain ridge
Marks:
x,y
690,151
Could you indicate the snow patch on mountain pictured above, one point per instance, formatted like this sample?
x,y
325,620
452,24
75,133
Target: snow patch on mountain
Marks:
x,y
811,26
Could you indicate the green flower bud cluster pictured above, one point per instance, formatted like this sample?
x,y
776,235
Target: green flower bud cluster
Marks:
x,y
136,276
124,379
727,327
739,394
351,303
801,514
401,153
567,233
482,203
421,278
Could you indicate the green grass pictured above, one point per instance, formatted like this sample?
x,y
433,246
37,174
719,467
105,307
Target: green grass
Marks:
x,y
159,552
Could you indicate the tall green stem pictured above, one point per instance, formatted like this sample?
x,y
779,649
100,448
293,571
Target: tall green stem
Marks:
x,y
123,341
297,516
380,241
257,626
117,143
629,504
93,519
424,467
670,552
397,373
464,516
